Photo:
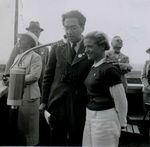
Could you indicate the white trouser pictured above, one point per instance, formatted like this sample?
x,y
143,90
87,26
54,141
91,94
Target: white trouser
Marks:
x,y
102,129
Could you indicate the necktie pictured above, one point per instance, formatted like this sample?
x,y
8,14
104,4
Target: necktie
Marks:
x,y
73,52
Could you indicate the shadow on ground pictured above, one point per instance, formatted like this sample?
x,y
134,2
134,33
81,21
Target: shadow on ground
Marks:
x,y
133,140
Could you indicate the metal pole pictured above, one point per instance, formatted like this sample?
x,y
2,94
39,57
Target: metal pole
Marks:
x,y
16,21
13,111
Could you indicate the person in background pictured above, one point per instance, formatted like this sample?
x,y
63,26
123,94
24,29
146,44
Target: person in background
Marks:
x,y
145,77
28,113
64,93
107,108
116,57
35,28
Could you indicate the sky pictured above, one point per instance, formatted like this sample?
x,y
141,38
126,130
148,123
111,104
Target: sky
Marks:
x,y
126,18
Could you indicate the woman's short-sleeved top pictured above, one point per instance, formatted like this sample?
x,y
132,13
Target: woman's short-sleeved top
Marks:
x,y
98,82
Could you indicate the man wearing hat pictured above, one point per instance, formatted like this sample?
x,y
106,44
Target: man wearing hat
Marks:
x,y
118,58
35,28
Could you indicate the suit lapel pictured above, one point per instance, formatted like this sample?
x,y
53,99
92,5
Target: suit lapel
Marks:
x,y
80,55
66,52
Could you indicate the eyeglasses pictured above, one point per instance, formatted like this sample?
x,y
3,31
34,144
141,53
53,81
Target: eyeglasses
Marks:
x,y
70,28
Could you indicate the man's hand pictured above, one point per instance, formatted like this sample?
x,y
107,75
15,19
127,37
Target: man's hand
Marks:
x,y
112,60
125,66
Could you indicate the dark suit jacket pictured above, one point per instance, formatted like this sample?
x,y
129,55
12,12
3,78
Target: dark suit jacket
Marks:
x,y
44,53
63,77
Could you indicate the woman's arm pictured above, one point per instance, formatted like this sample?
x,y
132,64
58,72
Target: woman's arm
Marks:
x,y
120,100
35,70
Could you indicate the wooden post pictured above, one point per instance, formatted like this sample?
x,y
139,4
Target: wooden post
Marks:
x,y
16,21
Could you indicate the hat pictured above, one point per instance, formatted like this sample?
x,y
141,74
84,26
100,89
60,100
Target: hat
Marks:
x,y
148,51
34,24
31,35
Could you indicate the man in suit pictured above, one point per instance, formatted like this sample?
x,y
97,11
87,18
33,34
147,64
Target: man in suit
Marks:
x,y
64,93
35,28
118,58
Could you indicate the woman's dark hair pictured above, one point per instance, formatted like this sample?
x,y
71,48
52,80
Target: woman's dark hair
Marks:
x,y
30,40
75,14
99,38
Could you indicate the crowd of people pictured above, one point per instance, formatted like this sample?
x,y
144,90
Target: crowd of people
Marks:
x,y
81,83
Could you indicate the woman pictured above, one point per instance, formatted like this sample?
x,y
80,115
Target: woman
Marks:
x,y
107,107
28,115
146,80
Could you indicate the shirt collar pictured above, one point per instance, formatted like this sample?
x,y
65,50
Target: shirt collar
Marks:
x,y
77,44
99,62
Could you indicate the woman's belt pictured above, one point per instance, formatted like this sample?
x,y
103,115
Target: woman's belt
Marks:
x,y
100,103
100,99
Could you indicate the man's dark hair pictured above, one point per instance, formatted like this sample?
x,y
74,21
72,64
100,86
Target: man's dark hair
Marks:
x,y
75,14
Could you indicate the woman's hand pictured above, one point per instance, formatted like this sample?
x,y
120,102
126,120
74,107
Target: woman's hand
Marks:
x,y
5,80
42,107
